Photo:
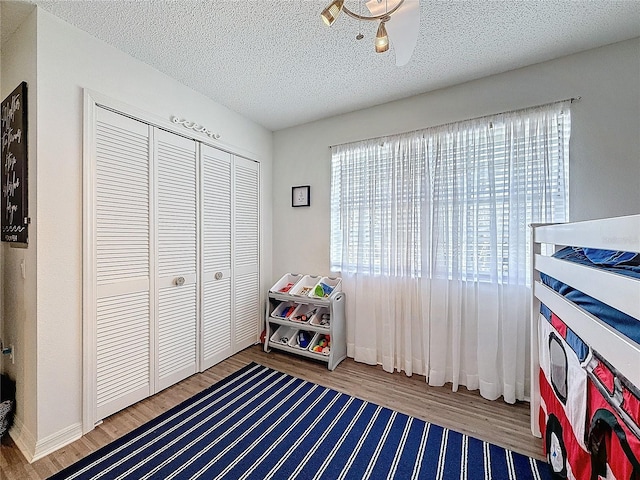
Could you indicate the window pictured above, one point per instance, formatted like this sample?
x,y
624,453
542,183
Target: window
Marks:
x,y
558,368
453,201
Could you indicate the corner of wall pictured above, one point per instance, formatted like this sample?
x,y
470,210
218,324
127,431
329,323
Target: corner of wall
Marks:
x,y
35,450
56,441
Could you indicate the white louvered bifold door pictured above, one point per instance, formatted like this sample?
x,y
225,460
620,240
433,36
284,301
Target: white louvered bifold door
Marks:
x,y
216,170
122,262
176,266
246,253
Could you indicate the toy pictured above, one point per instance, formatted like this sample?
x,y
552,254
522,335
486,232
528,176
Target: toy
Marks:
x,y
303,339
286,288
323,346
322,290
287,311
304,316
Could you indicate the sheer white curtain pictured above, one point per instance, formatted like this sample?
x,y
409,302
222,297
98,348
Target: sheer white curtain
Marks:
x,y
429,232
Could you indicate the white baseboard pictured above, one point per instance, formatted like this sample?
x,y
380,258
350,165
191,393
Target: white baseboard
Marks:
x,y
23,438
34,450
58,440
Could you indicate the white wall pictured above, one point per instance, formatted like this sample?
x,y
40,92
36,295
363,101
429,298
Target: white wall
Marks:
x,y
604,149
68,61
19,305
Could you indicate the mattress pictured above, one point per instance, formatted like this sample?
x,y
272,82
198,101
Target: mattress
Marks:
x,y
622,263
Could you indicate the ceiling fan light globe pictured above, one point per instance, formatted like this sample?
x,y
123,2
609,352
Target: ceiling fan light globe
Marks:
x,y
381,47
382,39
330,14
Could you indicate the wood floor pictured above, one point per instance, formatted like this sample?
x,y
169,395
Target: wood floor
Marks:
x,y
464,411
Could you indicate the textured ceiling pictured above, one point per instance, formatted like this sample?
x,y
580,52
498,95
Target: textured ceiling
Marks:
x,y
276,63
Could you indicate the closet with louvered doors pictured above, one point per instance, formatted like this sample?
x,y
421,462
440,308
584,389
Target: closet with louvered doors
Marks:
x,y
230,254
171,260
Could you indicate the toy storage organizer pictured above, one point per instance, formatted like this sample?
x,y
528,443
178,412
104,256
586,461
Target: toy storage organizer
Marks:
x,y
312,305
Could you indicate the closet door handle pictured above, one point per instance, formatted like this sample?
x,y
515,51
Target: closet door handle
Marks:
x,y
179,281
218,275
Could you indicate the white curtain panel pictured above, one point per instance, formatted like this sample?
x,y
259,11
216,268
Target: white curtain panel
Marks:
x,y
430,234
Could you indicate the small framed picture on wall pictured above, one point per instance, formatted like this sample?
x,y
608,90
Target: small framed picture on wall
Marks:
x,y
301,196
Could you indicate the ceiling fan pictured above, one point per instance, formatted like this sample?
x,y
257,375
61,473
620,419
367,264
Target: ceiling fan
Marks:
x,y
400,18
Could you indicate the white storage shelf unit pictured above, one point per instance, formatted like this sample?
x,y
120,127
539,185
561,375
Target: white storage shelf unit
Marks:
x,y
293,306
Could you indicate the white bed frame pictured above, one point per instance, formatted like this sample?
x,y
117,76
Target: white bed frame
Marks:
x,y
621,292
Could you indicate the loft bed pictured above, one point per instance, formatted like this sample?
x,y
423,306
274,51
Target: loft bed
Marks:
x,y
586,301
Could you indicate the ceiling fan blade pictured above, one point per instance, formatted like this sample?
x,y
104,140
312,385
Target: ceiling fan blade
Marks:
x,y
403,27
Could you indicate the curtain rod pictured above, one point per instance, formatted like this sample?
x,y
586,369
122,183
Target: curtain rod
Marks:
x,y
571,100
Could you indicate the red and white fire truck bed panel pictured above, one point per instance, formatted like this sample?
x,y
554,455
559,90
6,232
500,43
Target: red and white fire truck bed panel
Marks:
x,y
585,364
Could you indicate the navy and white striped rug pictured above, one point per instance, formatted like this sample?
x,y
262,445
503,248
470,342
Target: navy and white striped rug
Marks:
x,y
259,423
